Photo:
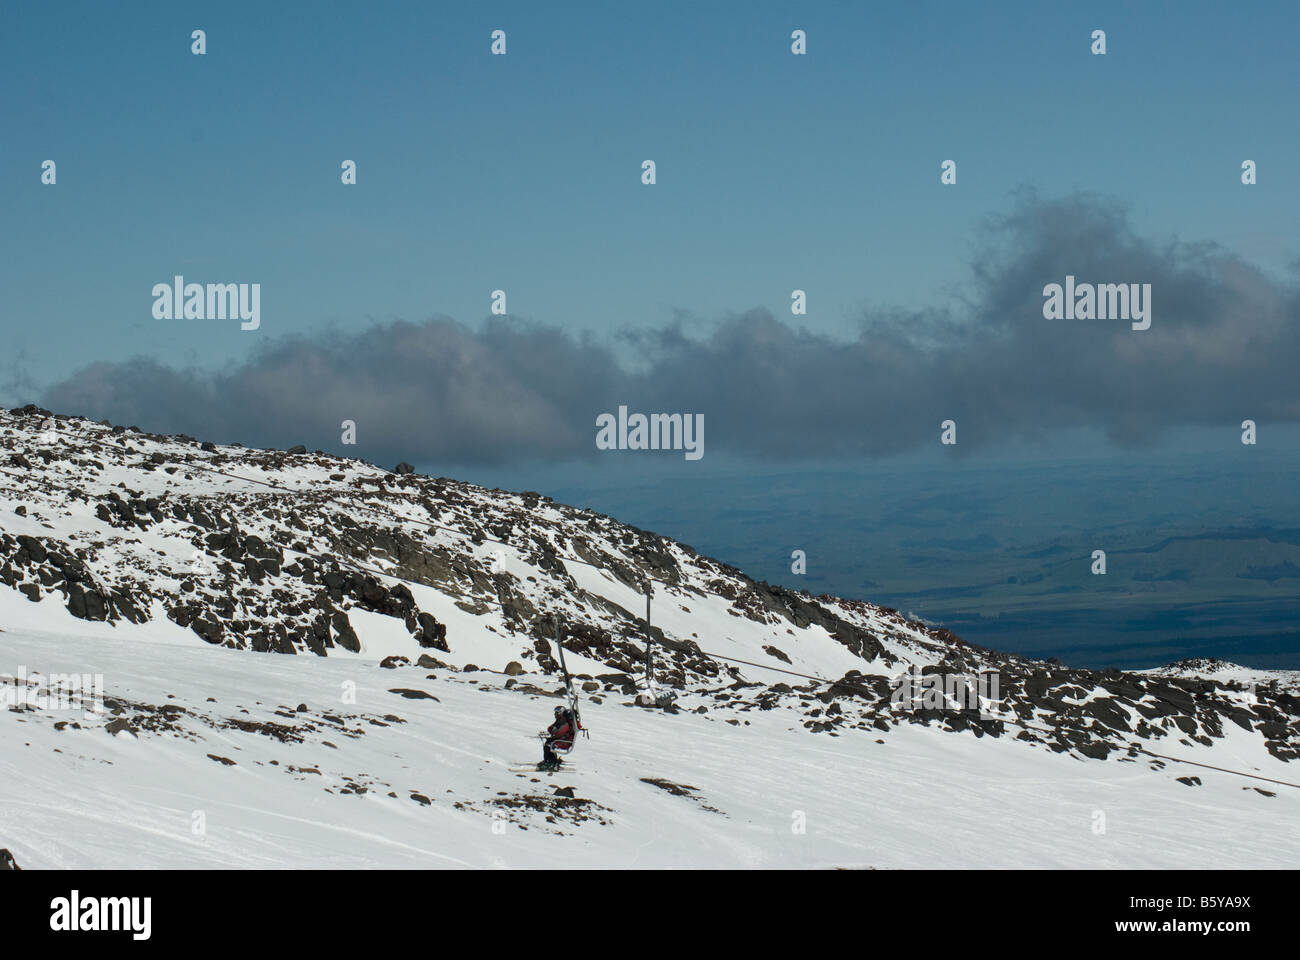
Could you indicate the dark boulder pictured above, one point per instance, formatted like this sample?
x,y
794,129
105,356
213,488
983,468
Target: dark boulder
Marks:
x,y
86,604
344,635
209,630
432,633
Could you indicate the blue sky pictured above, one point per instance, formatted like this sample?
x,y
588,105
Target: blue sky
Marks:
x,y
522,172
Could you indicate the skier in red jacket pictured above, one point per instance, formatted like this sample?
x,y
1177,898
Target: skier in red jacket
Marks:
x,y
559,735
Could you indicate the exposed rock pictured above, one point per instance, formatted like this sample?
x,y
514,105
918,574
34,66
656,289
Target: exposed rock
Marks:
x,y
120,725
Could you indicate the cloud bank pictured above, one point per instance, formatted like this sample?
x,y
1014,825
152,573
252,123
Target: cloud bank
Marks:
x,y
1223,346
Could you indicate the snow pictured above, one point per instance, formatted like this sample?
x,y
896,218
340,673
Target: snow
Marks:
x,y
923,798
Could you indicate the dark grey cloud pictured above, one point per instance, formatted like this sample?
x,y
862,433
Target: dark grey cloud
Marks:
x,y
1223,346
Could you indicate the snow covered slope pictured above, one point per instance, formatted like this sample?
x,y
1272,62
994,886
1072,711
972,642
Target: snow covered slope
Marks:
x,y
1228,672
312,661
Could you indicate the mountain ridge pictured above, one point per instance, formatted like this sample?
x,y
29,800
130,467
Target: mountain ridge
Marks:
x,y
114,533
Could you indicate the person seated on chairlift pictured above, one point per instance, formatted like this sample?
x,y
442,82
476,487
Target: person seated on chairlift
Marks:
x,y
559,737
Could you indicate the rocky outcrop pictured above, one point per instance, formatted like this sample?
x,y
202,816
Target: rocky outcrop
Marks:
x,y
291,552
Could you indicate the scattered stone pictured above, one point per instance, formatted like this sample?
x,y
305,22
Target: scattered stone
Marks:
x,y
119,725
676,789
